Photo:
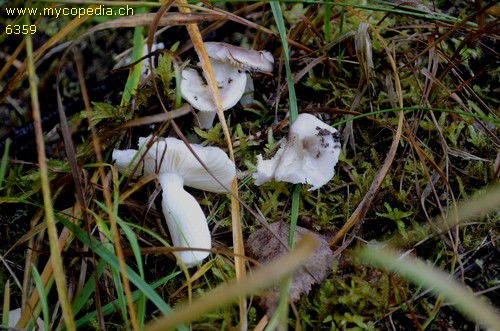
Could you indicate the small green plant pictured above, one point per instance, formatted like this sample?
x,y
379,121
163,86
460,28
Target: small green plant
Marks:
x,y
398,217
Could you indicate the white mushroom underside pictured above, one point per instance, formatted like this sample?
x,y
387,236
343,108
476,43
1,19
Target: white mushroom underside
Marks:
x,y
307,156
230,81
185,219
172,155
176,166
248,59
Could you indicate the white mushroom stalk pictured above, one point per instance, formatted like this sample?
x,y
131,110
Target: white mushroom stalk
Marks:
x,y
229,63
308,155
176,166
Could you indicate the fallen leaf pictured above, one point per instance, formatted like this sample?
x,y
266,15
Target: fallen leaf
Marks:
x,y
271,242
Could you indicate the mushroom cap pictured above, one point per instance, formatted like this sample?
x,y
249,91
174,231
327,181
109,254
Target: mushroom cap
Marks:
x,y
230,81
244,58
308,155
173,156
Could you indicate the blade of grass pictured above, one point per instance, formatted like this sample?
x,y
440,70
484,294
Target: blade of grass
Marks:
x,y
437,281
6,303
82,298
137,50
225,294
115,273
134,245
5,162
42,292
280,23
56,259
111,307
282,311
326,20
112,260
47,279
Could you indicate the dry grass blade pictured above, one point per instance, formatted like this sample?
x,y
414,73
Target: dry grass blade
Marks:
x,y
238,246
159,118
168,19
224,295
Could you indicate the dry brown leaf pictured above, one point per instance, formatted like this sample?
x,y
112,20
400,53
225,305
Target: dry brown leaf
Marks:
x,y
269,243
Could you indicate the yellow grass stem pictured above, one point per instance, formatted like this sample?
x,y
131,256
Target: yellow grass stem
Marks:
x,y
238,247
55,250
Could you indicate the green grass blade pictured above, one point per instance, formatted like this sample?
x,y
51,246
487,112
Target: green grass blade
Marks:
x,y
122,300
111,307
111,259
42,292
326,22
5,162
6,303
88,289
134,245
134,78
440,283
280,23
115,273
295,212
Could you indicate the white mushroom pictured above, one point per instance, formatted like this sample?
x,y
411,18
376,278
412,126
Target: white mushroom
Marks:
x,y
308,155
15,315
243,58
228,63
230,81
176,166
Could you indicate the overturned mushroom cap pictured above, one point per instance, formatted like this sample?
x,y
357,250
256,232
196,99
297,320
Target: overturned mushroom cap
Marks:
x,y
244,58
172,155
308,155
176,166
230,81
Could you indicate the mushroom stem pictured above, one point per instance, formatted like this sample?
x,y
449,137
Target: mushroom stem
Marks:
x,y
205,119
186,221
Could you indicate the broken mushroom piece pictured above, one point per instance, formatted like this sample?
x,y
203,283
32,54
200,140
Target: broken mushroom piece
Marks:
x,y
176,166
228,63
308,155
